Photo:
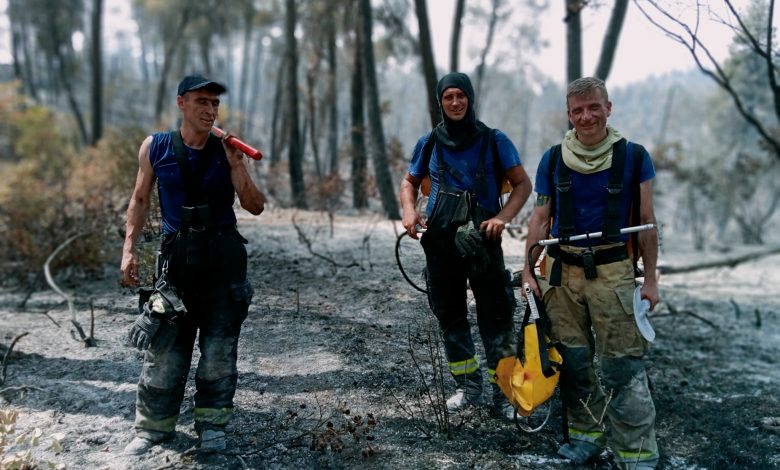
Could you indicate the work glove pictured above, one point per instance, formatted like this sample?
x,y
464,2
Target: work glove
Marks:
x,y
144,330
469,243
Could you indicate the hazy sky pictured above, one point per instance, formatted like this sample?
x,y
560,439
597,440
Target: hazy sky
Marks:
x,y
642,52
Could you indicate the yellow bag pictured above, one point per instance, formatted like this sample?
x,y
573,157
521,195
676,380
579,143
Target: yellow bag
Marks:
x,y
524,384
530,379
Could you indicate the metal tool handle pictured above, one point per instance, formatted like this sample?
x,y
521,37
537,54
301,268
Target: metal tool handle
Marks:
x,y
585,236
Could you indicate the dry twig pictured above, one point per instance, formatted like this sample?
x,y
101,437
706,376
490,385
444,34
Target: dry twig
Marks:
x,y
88,341
8,354
308,244
674,311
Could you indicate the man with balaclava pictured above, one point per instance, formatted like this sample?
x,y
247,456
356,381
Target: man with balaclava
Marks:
x,y
467,164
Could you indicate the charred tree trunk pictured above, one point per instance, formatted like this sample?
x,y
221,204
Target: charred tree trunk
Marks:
x,y
428,64
170,51
457,20
332,100
276,147
23,59
295,151
573,39
358,130
611,38
243,80
488,44
311,104
254,92
384,179
97,72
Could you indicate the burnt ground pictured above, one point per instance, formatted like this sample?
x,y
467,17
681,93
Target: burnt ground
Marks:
x,y
336,355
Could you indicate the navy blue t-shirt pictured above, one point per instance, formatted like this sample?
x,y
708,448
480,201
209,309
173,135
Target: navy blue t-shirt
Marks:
x,y
465,162
589,194
216,184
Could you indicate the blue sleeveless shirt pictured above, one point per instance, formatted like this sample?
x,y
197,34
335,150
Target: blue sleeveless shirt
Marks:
x,y
216,186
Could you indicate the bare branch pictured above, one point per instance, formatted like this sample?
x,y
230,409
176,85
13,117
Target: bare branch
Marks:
x,y
694,44
8,353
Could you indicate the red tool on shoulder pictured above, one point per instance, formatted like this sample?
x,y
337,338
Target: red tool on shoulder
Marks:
x,y
248,150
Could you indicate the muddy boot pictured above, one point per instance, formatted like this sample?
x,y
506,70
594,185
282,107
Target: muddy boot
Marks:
x,y
212,440
138,446
468,392
579,452
502,409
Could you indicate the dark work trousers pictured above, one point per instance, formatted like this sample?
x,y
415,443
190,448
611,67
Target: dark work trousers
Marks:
x,y
217,296
446,275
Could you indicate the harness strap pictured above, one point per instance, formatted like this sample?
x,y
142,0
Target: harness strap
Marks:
x,y
565,207
611,227
480,184
432,142
564,193
193,175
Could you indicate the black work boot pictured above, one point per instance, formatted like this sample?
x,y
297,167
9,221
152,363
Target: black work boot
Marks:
x,y
501,407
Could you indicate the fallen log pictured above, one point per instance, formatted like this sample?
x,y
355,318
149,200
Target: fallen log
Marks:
x,y
727,262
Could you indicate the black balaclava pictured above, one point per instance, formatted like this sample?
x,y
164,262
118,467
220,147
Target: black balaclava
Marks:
x,y
457,134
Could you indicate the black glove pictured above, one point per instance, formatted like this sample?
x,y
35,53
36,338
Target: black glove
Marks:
x,y
470,244
143,330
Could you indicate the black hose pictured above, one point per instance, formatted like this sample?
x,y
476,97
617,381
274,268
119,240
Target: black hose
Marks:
x,y
400,266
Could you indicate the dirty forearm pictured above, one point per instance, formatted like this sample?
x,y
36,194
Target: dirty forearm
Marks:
x,y
249,195
538,228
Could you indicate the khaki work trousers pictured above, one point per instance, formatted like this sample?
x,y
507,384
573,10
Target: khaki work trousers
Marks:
x,y
593,318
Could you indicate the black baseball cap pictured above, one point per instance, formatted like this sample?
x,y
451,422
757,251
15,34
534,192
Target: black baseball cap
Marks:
x,y
197,82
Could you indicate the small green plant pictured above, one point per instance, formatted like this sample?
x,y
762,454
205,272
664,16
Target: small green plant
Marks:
x,y
17,450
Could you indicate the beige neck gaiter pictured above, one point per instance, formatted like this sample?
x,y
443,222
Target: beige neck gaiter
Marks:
x,y
588,159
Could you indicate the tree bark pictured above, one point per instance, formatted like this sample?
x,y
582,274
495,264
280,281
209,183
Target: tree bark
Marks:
x,y
332,99
97,72
428,64
457,23
295,151
276,147
384,179
573,39
358,131
611,38
168,57
485,50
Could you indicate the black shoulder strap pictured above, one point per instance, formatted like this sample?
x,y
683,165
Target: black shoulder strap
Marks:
x,y
563,193
193,177
636,198
552,161
498,168
612,213
427,150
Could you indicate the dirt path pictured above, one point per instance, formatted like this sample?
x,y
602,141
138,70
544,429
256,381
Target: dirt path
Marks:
x,y
327,380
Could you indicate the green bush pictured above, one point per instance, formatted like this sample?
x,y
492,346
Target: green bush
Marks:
x,y
53,189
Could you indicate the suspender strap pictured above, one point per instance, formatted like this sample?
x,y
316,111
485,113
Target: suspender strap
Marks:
x,y
193,177
637,151
564,193
612,219
480,183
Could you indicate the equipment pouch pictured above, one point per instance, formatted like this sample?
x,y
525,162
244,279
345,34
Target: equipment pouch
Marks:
x,y
451,210
165,301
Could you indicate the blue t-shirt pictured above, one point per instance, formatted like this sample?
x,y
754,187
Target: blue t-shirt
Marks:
x,y
589,194
216,185
465,162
